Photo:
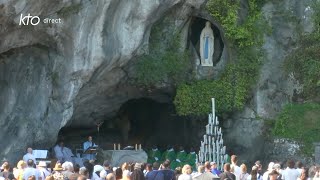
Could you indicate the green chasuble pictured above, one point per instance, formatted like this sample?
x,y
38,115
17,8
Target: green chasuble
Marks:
x,y
191,159
182,156
169,154
154,155
175,164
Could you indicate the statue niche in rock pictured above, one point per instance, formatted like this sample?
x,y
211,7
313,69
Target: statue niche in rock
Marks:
x,y
206,45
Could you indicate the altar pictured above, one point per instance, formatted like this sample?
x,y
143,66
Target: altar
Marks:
x,y
118,157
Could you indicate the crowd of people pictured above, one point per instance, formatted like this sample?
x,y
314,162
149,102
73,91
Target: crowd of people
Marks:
x,y
28,170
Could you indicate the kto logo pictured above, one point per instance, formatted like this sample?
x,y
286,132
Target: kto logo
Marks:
x,y
33,20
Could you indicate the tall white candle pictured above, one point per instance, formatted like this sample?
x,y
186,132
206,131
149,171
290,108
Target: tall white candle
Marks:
x,y
213,108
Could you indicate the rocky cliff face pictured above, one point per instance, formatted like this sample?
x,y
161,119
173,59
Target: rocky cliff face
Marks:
x,y
51,74
77,72
247,132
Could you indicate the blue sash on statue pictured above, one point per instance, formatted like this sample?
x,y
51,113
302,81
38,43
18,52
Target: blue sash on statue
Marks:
x,y
206,48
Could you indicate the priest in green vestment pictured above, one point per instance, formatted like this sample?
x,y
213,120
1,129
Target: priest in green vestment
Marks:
x,y
169,154
154,155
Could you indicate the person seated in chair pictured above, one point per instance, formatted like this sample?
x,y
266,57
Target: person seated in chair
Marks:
x,y
63,153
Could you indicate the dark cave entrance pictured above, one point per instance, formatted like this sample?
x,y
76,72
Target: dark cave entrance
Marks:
x,y
139,121
197,25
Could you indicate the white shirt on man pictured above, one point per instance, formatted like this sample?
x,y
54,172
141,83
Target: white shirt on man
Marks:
x,y
237,170
29,171
290,174
28,156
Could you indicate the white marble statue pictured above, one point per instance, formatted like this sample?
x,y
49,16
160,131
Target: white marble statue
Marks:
x,y
206,45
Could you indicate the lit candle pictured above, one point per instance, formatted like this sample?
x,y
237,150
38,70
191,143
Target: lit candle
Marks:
x,y
136,146
114,146
140,147
118,146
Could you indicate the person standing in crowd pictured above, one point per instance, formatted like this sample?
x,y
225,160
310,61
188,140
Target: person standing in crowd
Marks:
x,y
167,172
106,169
243,175
110,176
259,170
18,172
299,166
155,174
316,175
147,169
206,175
214,169
87,145
118,173
42,167
5,170
67,169
277,167
227,174
137,173
29,155
57,172
199,172
304,174
273,175
31,171
186,173
254,174
269,170
234,161
290,173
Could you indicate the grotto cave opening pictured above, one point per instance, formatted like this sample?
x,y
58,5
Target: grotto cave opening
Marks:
x,y
139,121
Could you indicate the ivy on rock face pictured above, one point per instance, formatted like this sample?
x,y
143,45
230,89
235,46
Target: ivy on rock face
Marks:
x,y
232,88
304,62
166,61
301,123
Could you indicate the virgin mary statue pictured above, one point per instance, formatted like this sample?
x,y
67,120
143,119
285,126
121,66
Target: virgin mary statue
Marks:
x,y
206,45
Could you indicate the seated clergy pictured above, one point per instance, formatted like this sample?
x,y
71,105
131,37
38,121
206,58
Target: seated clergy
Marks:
x,y
63,153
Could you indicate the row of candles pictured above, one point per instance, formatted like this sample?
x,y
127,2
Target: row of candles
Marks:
x,y
137,147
